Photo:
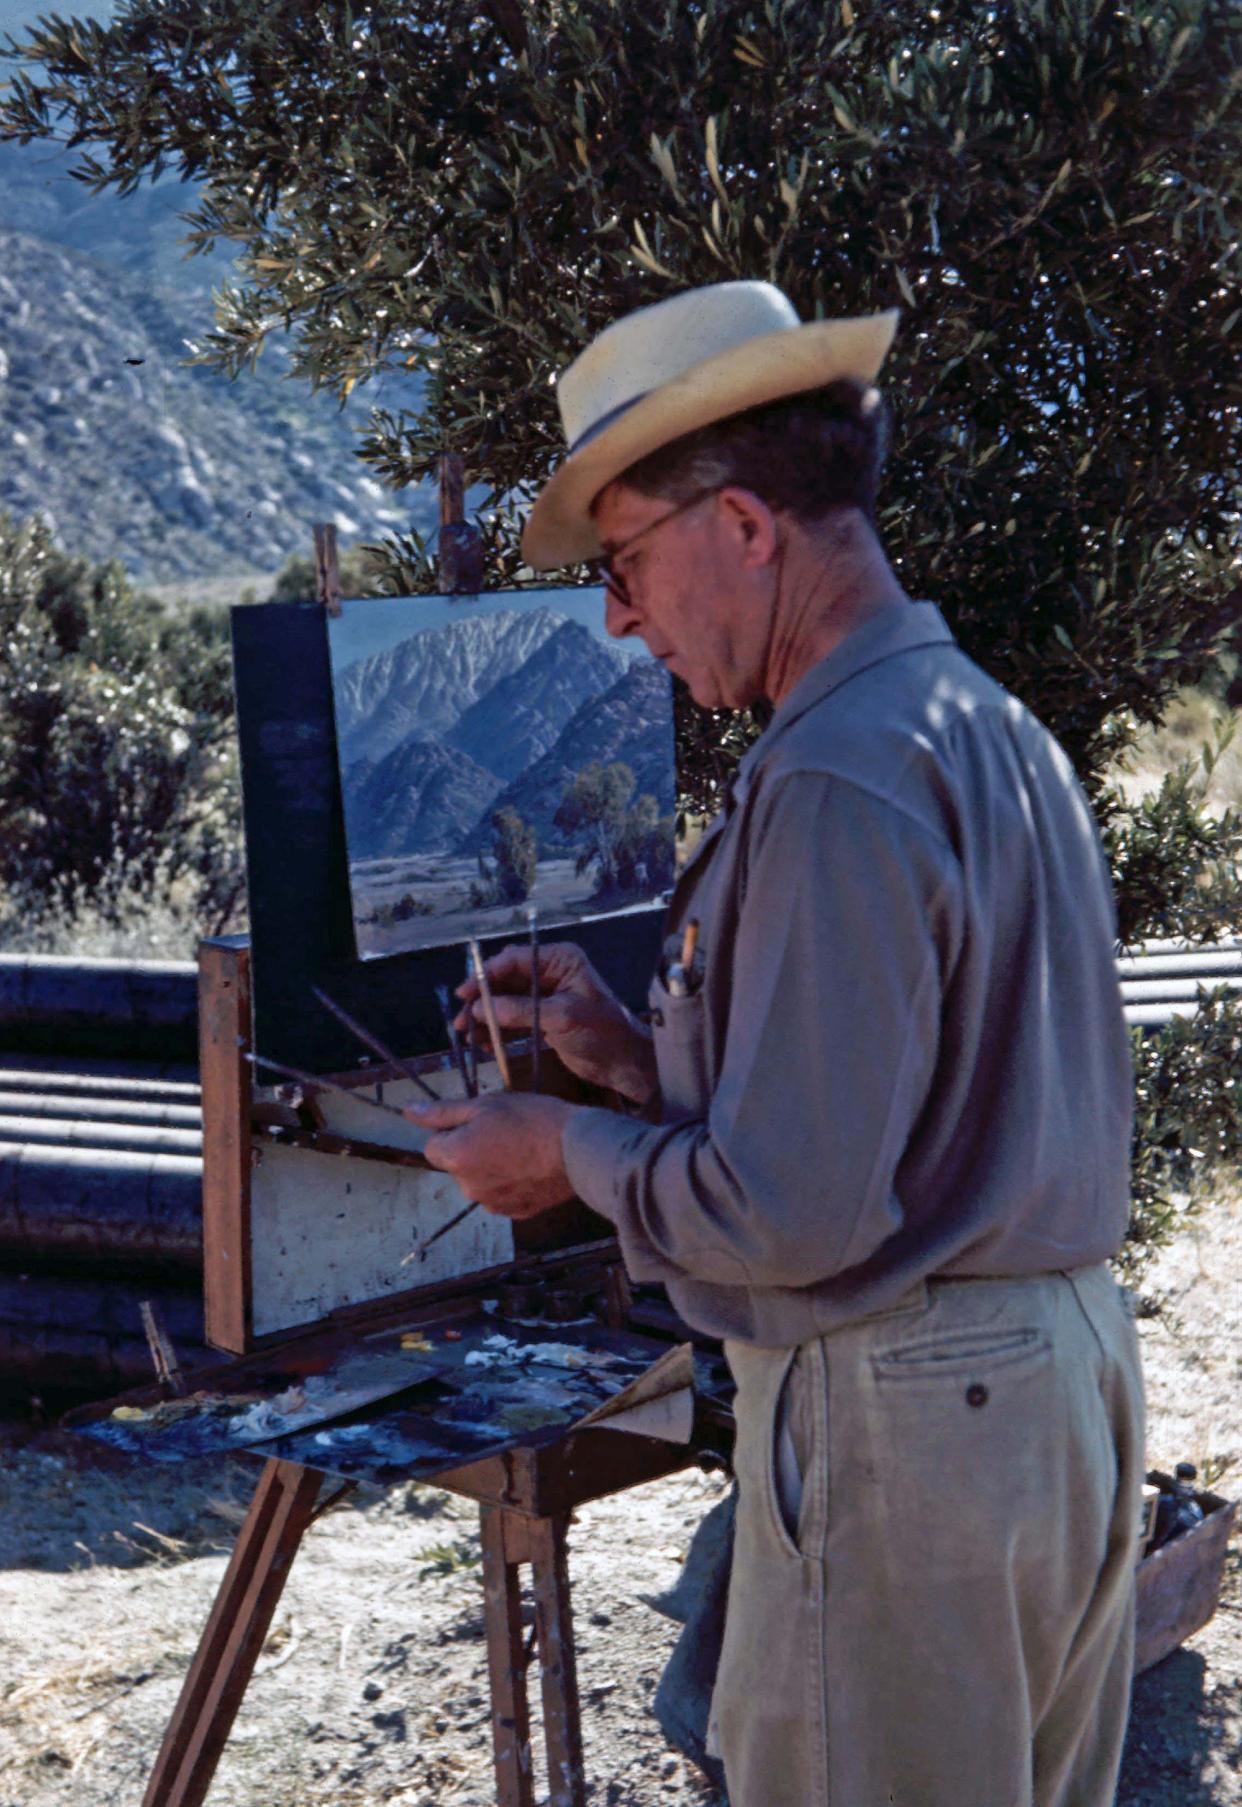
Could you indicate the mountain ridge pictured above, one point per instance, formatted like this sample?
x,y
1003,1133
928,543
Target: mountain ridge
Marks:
x,y
426,683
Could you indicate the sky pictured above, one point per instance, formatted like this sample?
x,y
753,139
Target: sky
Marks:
x,y
372,624
17,15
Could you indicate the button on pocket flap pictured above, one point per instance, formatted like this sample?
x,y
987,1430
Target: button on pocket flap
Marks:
x,y
679,1026
681,1019
976,1351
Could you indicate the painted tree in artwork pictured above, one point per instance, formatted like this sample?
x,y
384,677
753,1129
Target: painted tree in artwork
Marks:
x,y
592,814
509,874
470,189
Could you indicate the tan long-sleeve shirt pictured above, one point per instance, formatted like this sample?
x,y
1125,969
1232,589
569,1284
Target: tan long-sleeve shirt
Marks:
x,y
907,1054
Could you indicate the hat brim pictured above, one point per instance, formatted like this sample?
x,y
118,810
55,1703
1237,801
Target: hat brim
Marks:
x,y
559,529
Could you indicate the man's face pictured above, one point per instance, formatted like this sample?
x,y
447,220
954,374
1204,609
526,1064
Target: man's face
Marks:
x,y
694,591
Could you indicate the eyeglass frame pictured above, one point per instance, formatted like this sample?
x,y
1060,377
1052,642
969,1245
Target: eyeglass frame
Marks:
x,y
602,569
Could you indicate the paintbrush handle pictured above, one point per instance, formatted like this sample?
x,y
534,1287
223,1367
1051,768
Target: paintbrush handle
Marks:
x,y
444,1229
535,999
489,1013
372,1041
324,1085
458,1052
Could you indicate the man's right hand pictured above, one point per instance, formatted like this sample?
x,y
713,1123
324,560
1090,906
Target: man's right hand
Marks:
x,y
582,1021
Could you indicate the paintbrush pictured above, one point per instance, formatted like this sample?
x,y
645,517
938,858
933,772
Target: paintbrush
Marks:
x,y
472,1044
459,1053
417,1254
532,917
326,1085
373,1042
489,1013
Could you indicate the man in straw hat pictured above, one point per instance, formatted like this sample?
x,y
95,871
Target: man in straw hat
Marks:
x,y
883,1119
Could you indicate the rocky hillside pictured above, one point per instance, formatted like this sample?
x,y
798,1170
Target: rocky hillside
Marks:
x,y
132,453
632,723
522,716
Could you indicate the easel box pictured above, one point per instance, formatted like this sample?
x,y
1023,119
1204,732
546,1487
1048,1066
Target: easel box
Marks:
x,y
304,1226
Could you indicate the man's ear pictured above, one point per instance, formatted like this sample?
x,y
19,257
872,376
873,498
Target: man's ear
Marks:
x,y
753,523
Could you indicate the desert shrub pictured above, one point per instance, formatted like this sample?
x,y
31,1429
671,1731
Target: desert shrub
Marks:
x,y
643,853
629,845
1189,1122
116,764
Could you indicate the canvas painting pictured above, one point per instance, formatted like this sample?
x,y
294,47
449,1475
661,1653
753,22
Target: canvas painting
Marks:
x,y
498,752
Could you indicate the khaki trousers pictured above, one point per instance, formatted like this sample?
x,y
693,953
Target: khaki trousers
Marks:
x,y
950,1622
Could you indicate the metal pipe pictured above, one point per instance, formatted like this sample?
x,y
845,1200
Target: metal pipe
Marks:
x,y
102,1005
70,1338
1174,991
86,1132
99,1205
97,1085
105,1110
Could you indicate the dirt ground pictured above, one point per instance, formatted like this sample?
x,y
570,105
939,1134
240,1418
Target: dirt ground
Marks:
x,y
372,1687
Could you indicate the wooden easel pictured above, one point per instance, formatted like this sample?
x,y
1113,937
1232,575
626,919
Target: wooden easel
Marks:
x,y
525,1500
525,1496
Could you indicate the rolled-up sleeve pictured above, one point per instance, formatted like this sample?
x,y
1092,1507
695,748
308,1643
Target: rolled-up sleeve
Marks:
x,y
849,925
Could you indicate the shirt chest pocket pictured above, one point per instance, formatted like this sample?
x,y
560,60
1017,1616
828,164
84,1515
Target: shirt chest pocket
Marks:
x,y
679,1027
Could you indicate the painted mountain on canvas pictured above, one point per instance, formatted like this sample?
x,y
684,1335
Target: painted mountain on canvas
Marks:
x,y
499,710
494,710
630,724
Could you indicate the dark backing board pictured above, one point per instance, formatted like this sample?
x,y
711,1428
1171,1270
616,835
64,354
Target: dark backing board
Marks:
x,y
301,925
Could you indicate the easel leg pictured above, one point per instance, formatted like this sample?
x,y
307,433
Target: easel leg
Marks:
x,y
280,1511
554,1627
506,1659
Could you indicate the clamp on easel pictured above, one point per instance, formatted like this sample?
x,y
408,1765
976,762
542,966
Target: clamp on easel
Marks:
x,y
461,546
327,567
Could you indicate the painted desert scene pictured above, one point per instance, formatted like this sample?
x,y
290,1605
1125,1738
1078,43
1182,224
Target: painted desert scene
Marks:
x,y
498,753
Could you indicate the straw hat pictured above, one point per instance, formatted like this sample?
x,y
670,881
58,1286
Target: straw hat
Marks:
x,y
669,369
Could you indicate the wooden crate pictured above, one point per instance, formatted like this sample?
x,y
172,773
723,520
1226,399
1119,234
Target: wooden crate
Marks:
x,y
1179,1584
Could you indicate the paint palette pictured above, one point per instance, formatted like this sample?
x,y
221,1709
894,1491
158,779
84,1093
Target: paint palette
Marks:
x,y
407,1402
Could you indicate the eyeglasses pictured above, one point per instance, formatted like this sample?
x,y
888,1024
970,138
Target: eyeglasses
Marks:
x,y
603,570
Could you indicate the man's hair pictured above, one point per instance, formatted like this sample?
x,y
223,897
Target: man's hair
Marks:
x,y
808,453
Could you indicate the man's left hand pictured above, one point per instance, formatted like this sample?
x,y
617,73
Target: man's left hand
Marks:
x,y
503,1149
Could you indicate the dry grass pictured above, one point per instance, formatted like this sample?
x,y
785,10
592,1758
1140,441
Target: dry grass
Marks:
x,y
136,922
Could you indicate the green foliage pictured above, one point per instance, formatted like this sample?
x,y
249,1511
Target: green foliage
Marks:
x,y
1042,186
509,876
1189,1118
444,1559
1047,187
1175,863
643,852
116,762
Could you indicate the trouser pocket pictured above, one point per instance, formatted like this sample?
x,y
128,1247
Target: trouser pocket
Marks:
x,y
768,1707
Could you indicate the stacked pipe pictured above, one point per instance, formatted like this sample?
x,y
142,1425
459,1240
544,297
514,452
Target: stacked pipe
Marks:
x,y
100,1173
1166,979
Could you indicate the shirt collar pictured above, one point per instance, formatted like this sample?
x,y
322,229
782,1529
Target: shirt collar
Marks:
x,y
898,628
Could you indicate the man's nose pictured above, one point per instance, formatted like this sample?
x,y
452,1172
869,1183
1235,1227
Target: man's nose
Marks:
x,y
620,615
